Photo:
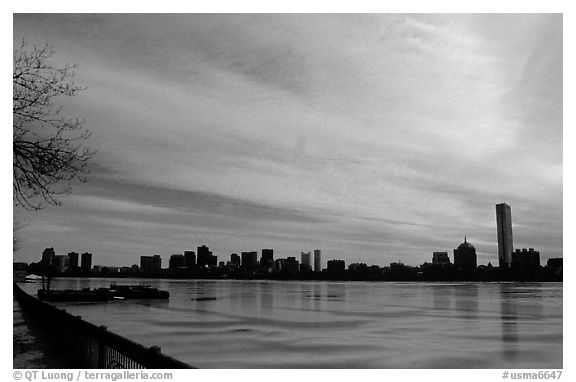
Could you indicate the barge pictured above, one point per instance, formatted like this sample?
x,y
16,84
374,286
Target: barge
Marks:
x,y
114,292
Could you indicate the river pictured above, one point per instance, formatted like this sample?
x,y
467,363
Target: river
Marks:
x,y
308,324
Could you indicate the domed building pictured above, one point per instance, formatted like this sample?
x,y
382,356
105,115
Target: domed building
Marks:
x,y
465,256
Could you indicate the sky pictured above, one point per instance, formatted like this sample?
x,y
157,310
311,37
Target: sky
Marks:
x,y
375,138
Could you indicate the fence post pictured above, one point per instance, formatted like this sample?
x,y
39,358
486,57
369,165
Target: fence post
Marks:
x,y
154,351
101,361
89,345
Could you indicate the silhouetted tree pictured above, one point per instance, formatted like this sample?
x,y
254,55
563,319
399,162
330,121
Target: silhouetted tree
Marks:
x,y
48,149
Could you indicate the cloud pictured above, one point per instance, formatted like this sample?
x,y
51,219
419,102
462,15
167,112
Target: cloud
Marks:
x,y
397,131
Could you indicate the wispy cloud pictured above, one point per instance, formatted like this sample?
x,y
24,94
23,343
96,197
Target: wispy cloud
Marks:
x,y
393,134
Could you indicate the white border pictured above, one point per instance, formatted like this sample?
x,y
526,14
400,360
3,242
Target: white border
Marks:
x,y
249,6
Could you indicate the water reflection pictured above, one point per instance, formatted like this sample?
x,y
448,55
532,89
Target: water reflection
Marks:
x,y
305,296
336,292
441,296
466,301
266,292
331,324
316,295
509,318
521,307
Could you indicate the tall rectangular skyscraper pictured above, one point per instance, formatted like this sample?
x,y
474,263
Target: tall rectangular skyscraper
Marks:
x,y
86,261
317,260
504,227
305,261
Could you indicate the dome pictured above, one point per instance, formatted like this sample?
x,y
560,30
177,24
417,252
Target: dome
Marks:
x,y
466,245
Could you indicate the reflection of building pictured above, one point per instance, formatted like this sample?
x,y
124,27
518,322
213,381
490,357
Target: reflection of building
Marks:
x,y
249,260
86,261
189,258
73,260
504,228
150,264
176,261
509,322
317,260
527,259
465,256
440,258
305,261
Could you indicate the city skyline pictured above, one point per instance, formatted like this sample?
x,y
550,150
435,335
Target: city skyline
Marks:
x,y
385,136
249,259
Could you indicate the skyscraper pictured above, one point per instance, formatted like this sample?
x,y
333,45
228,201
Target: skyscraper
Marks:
x,y
267,259
504,227
235,259
176,261
86,261
73,260
317,260
249,260
150,264
205,258
189,258
440,258
305,261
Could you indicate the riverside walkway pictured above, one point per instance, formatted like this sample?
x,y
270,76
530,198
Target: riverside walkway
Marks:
x,y
58,339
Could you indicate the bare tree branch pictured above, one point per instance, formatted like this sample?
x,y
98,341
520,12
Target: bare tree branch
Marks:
x,y
48,151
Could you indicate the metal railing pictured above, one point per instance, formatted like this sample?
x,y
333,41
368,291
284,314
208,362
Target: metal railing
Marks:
x,y
91,346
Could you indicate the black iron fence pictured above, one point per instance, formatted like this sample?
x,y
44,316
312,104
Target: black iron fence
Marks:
x,y
90,346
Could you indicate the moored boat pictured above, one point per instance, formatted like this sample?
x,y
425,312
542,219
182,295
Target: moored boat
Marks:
x,y
32,278
82,295
137,292
115,292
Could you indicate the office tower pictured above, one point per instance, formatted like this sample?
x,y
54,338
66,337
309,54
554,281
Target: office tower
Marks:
x,y
290,265
212,260
176,261
235,259
47,256
358,268
465,256
440,258
504,227
204,256
60,263
305,261
525,259
267,259
150,264
555,264
86,261
189,258
335,266
249,260
73,260
317,260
